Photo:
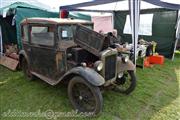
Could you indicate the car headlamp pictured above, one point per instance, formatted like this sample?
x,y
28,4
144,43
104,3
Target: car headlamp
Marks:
x,y
120,75
98,65
83,64
125,59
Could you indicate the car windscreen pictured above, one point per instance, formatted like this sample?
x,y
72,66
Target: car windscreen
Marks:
x,y
66,32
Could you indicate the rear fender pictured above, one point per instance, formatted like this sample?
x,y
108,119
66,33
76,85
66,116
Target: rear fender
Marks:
x,y
22,54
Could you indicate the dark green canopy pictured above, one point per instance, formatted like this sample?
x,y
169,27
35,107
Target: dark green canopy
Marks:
x,y
163,29
19,11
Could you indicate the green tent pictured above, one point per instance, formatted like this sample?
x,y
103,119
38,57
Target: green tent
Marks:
x,y
163,29
19,11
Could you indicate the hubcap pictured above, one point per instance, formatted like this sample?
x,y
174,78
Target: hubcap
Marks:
x,y
83,98
80,97
124,82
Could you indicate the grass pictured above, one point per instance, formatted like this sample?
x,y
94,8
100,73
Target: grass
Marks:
x,y
156,97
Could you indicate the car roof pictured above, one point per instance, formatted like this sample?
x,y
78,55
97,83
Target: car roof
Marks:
x,y
55,21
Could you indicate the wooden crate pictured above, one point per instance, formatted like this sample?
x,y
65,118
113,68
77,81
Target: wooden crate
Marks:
x,y
9,62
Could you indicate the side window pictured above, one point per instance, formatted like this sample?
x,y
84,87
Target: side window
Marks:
x,y
24,29
42,35
65,32
89,26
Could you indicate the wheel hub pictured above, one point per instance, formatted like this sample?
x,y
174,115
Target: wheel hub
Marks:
x,y
80,97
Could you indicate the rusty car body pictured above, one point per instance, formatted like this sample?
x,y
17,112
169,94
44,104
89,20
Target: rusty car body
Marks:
x,y
57,50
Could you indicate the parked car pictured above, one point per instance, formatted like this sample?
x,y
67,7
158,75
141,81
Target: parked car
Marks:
x,y
65,50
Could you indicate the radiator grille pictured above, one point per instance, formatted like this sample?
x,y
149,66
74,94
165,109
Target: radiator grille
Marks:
x,y
110,67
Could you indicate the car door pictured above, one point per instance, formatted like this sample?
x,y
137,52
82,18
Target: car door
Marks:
x,y
43,50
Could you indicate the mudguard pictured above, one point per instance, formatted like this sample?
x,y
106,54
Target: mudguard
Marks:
x,y
87,73
22,53
125,66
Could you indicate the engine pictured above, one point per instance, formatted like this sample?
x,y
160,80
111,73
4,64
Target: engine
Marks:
x,y
78,55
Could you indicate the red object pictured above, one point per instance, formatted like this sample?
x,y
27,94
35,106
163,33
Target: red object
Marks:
x,y
64,14
156,59
146,62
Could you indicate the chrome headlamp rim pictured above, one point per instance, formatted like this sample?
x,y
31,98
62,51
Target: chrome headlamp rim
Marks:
x,y
125,59
98,65
120,75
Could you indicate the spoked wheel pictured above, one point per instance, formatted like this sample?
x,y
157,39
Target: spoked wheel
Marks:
x,y
127,83
26,70
84,96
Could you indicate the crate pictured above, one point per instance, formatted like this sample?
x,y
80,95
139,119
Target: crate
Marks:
x,y
156,59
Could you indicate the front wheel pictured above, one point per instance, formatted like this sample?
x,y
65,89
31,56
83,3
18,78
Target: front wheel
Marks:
x,y
84,96
127,83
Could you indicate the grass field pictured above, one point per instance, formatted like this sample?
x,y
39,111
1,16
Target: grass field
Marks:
x,y
156,97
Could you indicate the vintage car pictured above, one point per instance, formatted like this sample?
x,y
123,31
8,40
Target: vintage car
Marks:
x,y
69,51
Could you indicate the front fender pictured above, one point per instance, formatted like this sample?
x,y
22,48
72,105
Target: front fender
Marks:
x,y
125,66
87,73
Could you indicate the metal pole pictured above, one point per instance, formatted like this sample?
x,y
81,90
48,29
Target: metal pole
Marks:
x,y
177,34
1,43
134,7
113,19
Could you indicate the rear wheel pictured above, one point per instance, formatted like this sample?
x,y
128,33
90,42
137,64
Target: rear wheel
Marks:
x,y
84,96
127,83
26,70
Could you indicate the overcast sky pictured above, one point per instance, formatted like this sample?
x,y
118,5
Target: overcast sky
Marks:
x,y
172,1
56,3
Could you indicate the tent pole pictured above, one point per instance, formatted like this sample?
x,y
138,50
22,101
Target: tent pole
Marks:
x,y
177,34
174,49
113,19
1,43
134,7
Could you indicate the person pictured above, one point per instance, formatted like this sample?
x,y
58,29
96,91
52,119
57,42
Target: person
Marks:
x,y
114,38
115,41
118,38
114,32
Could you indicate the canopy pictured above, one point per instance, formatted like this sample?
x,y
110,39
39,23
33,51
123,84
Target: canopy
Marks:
x,y
119,5
12,15
5,3
116,5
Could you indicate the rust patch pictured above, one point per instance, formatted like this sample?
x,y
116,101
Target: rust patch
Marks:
x,y
59,57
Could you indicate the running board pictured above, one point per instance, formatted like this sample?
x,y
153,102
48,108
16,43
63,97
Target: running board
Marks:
x,y
46,79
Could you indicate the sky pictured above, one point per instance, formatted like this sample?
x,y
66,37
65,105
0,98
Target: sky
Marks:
x,y
172,1
54,4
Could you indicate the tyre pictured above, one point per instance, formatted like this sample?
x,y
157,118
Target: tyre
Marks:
x,y
26,70
84,96
126,84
